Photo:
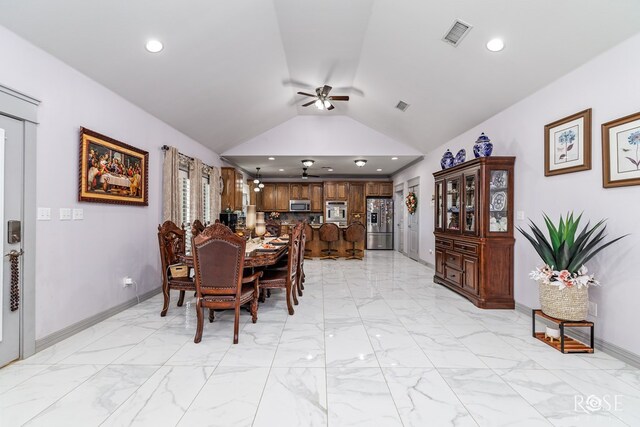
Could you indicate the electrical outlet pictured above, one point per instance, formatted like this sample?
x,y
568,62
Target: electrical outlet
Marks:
x,y
127,281
65,214
593,309
430,251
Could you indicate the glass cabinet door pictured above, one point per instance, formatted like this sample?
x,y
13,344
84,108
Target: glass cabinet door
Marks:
x,y
470,204
439,205
453,204
498,197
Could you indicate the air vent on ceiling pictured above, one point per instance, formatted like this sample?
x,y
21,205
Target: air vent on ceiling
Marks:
x,y
402,106
456,33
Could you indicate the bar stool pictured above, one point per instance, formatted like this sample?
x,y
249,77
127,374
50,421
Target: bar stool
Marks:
x,y
354,234
308,232
329,233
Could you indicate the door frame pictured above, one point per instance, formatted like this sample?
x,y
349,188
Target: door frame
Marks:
x,y
399,234
24,108
411,186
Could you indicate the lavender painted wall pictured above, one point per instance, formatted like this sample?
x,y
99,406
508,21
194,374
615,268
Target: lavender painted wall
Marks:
x,y
80,264
609,84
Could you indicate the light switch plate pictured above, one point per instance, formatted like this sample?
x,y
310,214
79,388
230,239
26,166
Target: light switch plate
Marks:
x,y
44,214
78,214
520,215
65,214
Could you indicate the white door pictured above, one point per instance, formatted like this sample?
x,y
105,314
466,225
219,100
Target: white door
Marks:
x,y
399,217
11,190
414,230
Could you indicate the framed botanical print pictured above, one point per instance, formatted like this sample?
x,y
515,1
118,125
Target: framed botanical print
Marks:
x,y
621,152
567,144
112,171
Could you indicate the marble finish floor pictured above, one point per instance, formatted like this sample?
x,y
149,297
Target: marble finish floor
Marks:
x,y
372,343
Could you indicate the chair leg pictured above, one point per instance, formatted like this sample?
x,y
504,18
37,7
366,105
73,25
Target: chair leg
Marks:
x,y
211,315
263,292
236,323
181,299
254,307
288,292
165,294
302,280
294,291
199,325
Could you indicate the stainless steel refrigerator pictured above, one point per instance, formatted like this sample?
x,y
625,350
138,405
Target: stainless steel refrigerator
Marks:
x,y
379,223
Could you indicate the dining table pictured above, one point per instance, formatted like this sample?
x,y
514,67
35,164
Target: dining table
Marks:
x,y
255,254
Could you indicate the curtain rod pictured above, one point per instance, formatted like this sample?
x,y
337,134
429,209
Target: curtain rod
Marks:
x,y
165,148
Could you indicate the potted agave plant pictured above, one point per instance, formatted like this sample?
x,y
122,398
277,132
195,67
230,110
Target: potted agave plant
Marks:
x,y
564,280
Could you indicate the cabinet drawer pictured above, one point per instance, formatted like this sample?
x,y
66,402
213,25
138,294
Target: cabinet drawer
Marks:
x,y
453,259
470,248
444,243
453,275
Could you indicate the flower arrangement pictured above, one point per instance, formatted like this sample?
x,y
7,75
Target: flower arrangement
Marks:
x,y
567,252
274,215
412,202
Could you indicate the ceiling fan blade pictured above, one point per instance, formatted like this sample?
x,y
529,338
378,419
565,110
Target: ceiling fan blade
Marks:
x,y
339,98
313,176
308,103
331,107
325,90
306,94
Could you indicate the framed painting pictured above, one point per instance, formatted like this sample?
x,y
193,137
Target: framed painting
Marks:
x,y
112,171
567,144
621,152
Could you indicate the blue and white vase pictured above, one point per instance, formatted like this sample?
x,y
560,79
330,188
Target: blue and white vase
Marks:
x,y
483,146
447,160
460,157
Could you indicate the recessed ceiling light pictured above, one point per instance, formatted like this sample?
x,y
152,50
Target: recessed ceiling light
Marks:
x,y
379,170
154,46
495,45
272,158
308,163
281,170
360,162
330,169
394,158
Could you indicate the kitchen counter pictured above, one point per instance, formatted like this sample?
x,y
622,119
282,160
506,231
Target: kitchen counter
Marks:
x,y
315,245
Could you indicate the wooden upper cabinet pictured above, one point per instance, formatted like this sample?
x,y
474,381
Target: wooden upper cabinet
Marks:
x,y
356,202
379,189
268,198
335,190
342,191
232,189
330,191
282,197
315,193
299,192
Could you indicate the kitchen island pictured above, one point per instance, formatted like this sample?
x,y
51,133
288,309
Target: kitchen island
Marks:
x,y
315,245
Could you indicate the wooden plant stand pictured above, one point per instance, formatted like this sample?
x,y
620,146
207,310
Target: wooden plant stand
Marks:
x,y
564,344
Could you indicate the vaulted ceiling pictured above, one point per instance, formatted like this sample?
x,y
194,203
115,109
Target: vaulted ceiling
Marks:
x,y
230,69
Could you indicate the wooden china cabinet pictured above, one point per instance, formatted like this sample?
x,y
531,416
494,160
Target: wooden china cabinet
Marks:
x,y
473,230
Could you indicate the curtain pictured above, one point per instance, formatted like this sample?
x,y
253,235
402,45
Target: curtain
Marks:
x,y
216,193
196,193
171,186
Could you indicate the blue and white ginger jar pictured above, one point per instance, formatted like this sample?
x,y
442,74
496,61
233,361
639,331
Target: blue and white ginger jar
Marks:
x,y
483,146
460,157
447,160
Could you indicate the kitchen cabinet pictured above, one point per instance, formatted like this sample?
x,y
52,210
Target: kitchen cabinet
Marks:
x,y
232,181
379,189
299,191
267,198
336,191
473,230
282,197
315,193
356,206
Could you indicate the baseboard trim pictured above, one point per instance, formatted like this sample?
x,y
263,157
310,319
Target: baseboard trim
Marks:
x,y
421,261
70,330
600,344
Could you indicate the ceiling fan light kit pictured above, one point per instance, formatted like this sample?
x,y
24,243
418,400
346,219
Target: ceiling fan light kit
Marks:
x,y
360,162
308,163
322,99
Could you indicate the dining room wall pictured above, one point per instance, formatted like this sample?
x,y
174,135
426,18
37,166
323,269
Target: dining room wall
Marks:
x,y
609,85
80,264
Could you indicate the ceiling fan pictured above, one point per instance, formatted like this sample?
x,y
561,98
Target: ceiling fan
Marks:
x,y
305,175
323,100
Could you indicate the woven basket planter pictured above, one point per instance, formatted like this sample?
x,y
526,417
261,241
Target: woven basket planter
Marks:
x,y
566,304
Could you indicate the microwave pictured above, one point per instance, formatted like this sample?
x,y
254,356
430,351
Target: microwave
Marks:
x,y
299,205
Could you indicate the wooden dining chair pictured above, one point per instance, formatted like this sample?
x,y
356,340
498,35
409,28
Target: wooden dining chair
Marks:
x,y
171,240
218,260
196,227
273,227
300,275
285,279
